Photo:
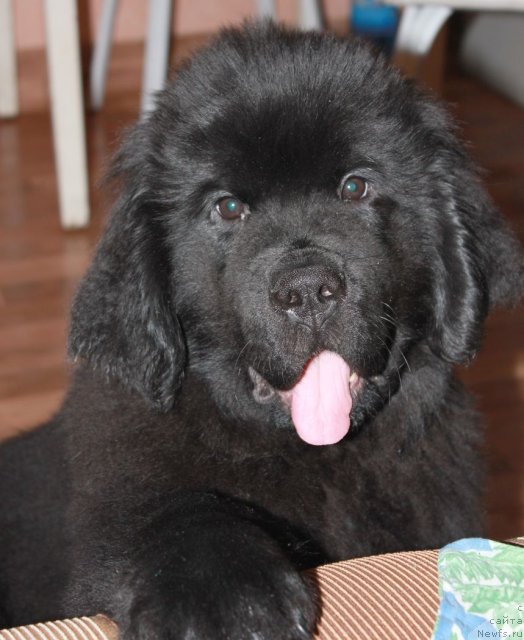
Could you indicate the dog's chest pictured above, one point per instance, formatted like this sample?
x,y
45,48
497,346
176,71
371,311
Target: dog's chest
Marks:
x,y
354,499
324,495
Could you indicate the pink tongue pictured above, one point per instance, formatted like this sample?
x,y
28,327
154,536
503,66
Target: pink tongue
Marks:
x,y
321,402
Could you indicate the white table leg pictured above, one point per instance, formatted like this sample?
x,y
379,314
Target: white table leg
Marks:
x,y
309,14
157,51
63,56
8,84
266,8
101,52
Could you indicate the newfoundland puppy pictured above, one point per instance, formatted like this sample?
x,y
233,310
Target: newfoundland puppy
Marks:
x,y
264,348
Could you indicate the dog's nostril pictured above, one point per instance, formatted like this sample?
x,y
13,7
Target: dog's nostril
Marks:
x,y
294,299
288,298
333,287
325,292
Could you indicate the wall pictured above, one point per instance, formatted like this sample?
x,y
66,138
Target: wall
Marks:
x,y
493,50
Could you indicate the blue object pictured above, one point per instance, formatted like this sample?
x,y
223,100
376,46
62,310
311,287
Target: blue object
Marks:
x,y
481,589
376,22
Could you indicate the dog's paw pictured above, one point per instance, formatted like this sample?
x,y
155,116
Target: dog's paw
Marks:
x,y
264,603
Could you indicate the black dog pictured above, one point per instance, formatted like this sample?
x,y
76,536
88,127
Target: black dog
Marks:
x,y
300,254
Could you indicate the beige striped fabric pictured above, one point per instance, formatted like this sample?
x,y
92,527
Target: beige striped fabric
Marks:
x,y
392,596
96,628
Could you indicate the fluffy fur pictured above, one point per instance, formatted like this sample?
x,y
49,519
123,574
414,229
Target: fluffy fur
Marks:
x,y
171,490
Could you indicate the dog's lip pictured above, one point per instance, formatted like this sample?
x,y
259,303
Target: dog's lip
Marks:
x,y
264,392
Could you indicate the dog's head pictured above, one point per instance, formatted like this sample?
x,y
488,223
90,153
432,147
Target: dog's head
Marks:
x,y
295,219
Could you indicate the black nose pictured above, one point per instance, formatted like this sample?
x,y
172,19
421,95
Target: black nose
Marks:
x,y
309,293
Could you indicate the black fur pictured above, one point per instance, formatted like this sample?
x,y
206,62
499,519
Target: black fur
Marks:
x,y
163,493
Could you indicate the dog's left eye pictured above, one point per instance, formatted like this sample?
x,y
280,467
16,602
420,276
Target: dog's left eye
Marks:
x,y
354,188
230,208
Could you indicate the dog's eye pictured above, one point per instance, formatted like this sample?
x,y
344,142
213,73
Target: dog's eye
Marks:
x,y
354,188
231,208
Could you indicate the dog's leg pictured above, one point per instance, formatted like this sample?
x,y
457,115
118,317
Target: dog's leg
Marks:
x,y
205,567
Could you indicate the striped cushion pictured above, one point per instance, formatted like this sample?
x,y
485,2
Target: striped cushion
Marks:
x,y
95,628
394,595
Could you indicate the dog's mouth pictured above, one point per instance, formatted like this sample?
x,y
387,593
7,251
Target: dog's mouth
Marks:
x,y
320,401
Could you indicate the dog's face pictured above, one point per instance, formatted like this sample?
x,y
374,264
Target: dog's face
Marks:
x,y
295,220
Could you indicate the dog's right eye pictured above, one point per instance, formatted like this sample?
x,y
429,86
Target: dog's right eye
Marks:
x,y
230,208
353,188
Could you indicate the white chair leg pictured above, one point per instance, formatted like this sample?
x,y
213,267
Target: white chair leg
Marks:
x,y
63,56
419,26
407,27
157,51
309,14
266,8
434,20
8,84
101,53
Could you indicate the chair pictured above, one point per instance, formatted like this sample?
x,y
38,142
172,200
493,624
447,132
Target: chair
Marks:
x,y
63,61
422,20
157,44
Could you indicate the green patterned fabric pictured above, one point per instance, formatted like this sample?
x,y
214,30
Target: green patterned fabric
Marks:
x,y
481,586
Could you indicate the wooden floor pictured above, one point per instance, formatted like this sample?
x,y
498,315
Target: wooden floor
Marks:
x,y
40,264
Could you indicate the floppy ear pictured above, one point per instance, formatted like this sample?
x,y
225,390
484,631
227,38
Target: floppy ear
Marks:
x,y
123,322
481,260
